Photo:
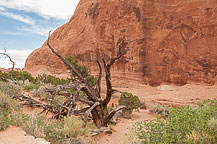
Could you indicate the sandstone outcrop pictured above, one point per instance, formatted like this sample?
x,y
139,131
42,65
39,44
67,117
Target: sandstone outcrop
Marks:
x,y
172,41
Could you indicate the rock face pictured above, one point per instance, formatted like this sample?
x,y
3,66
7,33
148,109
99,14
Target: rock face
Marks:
x,y
172,41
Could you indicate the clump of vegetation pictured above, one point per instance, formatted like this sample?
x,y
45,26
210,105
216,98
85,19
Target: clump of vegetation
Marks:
x,y
188,124
18,76
49,79
9,89
56,131
41,93
82,69
7,104
31,86
160,109
130,101
73,127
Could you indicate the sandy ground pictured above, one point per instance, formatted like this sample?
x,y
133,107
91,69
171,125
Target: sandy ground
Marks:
x,y
122,127
15,135
164,94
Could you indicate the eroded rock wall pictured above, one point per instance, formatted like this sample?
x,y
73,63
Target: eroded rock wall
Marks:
x,y
172,41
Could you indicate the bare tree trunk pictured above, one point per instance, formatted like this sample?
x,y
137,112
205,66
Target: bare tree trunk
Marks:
x,y
97,106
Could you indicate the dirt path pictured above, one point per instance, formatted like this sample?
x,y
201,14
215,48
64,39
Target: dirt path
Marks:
x,y
15,135
117,137
164,94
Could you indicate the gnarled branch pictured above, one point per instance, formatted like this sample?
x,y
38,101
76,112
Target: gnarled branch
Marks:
x,y
88,112
122,44
12,62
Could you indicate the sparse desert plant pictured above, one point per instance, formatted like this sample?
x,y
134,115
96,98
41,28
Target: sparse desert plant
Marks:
x,y
9,89
54,131
7,107
212,123
4,118
33,124
188,124
31,86
130,101
160,109
41,93
143,105
73,127
49,79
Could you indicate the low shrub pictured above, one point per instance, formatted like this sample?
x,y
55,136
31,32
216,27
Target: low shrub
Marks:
x,y
73,127
31,86
41,93
9,89
49,79
7,107
130,101
188,124
160,109
16,75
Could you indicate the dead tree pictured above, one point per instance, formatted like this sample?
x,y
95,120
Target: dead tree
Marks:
x,y
97,106
7,56
12,62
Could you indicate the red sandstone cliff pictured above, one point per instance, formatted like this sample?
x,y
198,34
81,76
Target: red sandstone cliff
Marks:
x,y
173,40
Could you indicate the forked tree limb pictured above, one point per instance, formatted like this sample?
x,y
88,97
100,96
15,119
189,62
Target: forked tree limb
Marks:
x,y
7,55
88,90
88,112
113,112
121,51
65,62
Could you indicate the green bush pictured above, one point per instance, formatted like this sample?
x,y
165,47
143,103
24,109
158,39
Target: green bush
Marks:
x,y
16,75
82,69
4,118
7,107
32,124
188,124
73,127
9,89
130,101
31,86
49,79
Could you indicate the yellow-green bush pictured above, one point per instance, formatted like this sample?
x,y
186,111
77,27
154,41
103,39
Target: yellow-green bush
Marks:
x,y
185,125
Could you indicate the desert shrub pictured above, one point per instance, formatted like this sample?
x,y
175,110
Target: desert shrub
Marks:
x,y
143,105
7,107
32,124
188,124
54,132
16,75
9,89
212,123
41,93
4,118
130,101
82,69
73,127
160,109
49,79
31,86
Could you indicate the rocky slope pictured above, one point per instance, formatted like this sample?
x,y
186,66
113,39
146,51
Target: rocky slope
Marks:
x,y
172,41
